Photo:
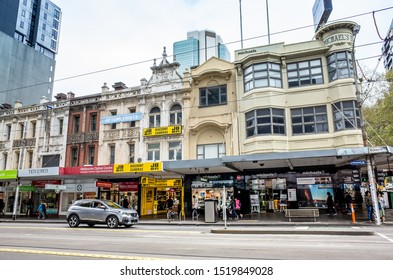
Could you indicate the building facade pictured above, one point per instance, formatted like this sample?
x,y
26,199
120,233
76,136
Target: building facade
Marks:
x,y
29,36
198,48
387,49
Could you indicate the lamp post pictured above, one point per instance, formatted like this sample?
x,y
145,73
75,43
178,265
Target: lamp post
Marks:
x,y
373,189
20,166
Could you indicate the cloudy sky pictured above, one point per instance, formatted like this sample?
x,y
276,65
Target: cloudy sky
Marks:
x,y
117,40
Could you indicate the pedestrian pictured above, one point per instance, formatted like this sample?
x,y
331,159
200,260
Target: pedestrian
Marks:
x,y
348,200
42,210
330,204
125,203
381,207
169,203
237,207
195,206
369,206
233,208
29,208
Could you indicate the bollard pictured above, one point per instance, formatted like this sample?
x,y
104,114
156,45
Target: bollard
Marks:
x,y
353,214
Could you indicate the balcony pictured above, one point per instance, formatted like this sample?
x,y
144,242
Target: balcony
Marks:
x,y
121,134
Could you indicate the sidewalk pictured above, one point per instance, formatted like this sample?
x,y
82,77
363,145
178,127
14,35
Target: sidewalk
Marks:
x,y
262,223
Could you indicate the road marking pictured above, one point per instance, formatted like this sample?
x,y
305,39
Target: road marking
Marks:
x,y
384,236
72,254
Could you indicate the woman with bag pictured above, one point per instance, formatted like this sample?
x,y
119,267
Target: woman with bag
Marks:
x,y
381,206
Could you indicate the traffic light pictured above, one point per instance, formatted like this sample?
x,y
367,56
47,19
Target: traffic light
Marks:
x,y
364,177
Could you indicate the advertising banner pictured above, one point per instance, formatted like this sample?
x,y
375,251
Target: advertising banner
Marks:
x,y
138,167
37,172
122,118
86,170
8,174
165,130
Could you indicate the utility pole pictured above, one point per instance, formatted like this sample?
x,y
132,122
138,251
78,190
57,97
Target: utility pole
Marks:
x,y
369,159
241,24
268,22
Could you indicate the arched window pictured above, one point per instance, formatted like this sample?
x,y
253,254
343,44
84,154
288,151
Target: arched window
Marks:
x,y
175,115
154,117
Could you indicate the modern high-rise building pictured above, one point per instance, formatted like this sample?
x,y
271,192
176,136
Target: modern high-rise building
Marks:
x,y
29,34
387,49
198,48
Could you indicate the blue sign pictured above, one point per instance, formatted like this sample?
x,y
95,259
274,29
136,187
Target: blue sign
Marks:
x,y
321,12
122,118
358,162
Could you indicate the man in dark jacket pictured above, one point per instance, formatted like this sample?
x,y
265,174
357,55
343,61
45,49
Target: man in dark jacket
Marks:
x,y
330,204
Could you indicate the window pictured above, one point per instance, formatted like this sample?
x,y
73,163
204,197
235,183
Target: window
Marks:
x,y
54,34
346,115
44,26
132,111
113,125
309,120
262,75
30,155
57,14
42,37
154,117
340,66
53,45
93,122
175,150
61,122
210,151
22,24
5,156
132,153
175,115
213,96
76,125
46,5
45,16
112,153
305,73
74,156
91,155
17,161
153,152
21,129
33,129
23,13
8,131
265,121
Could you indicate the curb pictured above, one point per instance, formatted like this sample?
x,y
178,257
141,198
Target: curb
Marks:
x,y
295,231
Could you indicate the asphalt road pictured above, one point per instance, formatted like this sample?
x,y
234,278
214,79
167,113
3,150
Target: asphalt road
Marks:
x,y
22,241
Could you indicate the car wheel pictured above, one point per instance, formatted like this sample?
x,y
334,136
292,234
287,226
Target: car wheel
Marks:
x,y
112,222
73,221
128,226
90,225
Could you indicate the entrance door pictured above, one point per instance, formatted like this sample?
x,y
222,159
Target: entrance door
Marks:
x,y
147,201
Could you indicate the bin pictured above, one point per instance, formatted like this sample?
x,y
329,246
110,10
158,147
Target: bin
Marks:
x,y
211,211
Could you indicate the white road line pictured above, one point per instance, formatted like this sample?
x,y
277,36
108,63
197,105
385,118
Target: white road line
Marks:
x,y
385,237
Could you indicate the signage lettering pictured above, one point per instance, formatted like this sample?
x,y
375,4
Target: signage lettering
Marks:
x,y
157,131
342,37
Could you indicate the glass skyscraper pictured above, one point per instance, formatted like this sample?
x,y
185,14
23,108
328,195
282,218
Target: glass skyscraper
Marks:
x,y
29,34
198,48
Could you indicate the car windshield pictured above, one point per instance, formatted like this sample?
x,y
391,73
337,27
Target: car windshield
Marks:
x,y
112,204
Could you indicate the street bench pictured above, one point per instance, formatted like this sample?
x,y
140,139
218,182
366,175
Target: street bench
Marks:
x,y
302,213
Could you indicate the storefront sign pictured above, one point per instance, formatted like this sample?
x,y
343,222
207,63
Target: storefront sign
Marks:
x,y
55,187
292,195
138,167
8,174
122,118
152,182
338,38
103,184
37,172
27,189
86,170
42,183
82,186
305,181
128,186
166,130
358,162
148,181
254,200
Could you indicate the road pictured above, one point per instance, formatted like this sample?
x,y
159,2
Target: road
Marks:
x,y
24,241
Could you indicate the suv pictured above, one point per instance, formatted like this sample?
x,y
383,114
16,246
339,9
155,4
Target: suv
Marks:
x,y
96,211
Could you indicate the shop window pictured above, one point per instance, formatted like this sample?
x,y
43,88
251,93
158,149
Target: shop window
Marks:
x,y
304,73
210,151
213,96
309,120
346,115
262,75
268,121
340,65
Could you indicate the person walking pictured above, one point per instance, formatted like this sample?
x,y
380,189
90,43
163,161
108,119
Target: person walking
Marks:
x,y
369,206
330,204
237,208
125,203
381,206
29,208
195,207
348,200
42,210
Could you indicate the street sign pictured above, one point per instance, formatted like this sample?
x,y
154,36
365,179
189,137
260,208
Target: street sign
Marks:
x,y
358,162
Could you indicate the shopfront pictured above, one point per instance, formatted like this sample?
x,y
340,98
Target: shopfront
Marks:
x,y
156,192
7,189
120,192
76,189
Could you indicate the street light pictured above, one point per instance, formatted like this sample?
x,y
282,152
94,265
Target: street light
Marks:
x,y
373,189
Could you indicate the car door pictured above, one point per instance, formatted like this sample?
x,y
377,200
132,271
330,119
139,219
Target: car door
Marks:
x,y
84,210
98,212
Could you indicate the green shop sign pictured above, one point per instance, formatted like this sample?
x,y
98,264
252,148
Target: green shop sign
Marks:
x,y
27,188
8,174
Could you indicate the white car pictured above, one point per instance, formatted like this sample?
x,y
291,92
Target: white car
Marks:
x,y
96,211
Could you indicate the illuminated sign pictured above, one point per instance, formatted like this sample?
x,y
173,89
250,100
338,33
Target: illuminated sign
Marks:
x,y
165,130
138,167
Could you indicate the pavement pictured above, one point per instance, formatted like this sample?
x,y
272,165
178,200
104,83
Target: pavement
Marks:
x,y
259,223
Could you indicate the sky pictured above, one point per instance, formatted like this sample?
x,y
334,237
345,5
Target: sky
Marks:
x,y
112,41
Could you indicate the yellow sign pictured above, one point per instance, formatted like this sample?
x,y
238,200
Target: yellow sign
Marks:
x,y
152,182
165,130
138,167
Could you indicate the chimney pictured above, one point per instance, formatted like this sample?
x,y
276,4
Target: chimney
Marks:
x,y
18,104
105,88
61,96
70,95
143,82
119,85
